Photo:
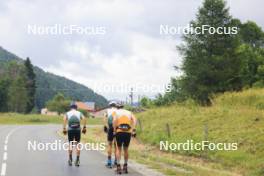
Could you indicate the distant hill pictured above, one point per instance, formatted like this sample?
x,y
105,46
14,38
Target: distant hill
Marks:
x,y
49,84
7,56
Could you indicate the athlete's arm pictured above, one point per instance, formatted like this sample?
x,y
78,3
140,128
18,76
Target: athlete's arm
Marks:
x,y
134,121
134,124
65,119
105,119
114,123
84,120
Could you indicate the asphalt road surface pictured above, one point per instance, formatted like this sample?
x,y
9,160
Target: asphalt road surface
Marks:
x,y
17,160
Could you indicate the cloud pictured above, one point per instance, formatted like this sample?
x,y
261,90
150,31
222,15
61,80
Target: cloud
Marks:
x,y
132,50
104,10
150,62
247,10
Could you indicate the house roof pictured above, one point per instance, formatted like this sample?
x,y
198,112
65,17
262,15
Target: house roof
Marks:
x,y
83,106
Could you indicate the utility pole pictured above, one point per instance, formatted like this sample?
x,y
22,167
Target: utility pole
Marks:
x,y
139,99
131,95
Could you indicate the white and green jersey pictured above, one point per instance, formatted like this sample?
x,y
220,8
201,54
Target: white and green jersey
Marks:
x,y
74,118
111,112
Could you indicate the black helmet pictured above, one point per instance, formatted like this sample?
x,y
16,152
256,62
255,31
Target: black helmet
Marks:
x,y
113,103
120,104
73,105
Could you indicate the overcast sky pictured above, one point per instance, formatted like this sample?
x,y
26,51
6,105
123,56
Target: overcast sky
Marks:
x,y
131,51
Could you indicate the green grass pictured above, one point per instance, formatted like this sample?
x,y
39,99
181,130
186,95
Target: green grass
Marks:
x,y
163,162
234,117
20,119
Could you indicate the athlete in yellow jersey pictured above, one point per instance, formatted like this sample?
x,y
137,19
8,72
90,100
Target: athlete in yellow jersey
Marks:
x,y
124,127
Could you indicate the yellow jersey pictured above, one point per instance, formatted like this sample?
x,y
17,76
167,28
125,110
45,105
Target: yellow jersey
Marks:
x,y
124,121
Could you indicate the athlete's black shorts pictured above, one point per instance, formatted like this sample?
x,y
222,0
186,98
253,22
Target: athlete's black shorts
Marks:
x,y
123,139
74,135
110,134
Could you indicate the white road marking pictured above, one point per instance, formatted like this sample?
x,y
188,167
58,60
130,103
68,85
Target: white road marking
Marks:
x,y
3,170
4,165
5,156
10,133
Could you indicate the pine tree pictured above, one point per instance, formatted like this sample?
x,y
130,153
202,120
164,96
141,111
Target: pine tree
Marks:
x,y
4,84
210,63
30,85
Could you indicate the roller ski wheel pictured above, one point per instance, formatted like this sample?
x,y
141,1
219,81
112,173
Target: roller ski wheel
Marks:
x,y
70,162
118,170
77,163
109,164
125,171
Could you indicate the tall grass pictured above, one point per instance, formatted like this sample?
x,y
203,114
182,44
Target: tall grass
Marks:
x,y
233,117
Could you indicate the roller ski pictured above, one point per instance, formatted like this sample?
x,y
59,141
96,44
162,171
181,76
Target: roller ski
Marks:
x,y
77,163
70,162
118,170
109,164
125,171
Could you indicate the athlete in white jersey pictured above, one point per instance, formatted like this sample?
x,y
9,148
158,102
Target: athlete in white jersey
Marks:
x,y
108,128
73,119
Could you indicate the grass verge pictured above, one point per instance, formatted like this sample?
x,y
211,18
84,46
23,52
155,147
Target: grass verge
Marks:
x,y
166,163
22,119
233,118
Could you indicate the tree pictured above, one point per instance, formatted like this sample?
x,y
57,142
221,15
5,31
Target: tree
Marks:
x,y
251,53
59,104
17,95
159,100
252,34
4,84
210,62
176,93
30,85
252,60
146,102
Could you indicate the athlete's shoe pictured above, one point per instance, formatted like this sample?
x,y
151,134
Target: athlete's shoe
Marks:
x,y
125,169
77,163
115,163
118,169
70,162
109,163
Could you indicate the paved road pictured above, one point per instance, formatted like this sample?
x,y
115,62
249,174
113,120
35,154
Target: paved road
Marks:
x,y
15,159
